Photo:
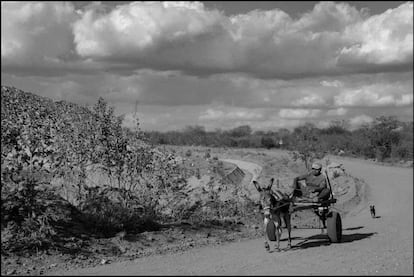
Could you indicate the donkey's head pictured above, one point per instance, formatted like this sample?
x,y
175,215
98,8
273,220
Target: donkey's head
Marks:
x,y
267,200
265,188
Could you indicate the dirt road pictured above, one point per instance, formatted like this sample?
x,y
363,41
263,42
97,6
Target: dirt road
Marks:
x,y
381,246
254,170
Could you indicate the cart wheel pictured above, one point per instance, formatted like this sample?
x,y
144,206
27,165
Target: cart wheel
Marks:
x,y
334,226
270,230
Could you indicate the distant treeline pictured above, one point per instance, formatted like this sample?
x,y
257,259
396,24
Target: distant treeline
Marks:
x,y
385,139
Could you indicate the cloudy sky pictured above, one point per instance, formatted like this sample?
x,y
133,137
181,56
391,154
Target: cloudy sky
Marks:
x,y
216,64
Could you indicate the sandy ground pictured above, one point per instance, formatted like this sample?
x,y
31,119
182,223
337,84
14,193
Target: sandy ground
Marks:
x,y
380,246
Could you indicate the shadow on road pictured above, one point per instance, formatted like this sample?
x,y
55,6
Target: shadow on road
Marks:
x,y
308,244
292,238
353,228
322,240
357,236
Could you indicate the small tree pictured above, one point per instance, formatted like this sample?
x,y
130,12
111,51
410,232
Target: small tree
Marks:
x,y
383,135
241,131
337,127
268,142
307,145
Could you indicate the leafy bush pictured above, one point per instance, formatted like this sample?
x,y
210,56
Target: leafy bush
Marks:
x,y
106,215
41,143
31,227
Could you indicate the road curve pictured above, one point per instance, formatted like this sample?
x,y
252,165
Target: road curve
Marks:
x,y
254,169
381,246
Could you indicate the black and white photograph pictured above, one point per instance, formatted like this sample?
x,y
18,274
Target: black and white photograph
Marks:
x,y
206,138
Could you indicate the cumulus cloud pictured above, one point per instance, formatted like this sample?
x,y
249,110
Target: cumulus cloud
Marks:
x,y
362,97
405,100
174,89
235,114
189,37
121,92
130,29
328,16
299,113
334,83
36,32
333,38
375,95
275,122
359,120
384,39
337,112
310,100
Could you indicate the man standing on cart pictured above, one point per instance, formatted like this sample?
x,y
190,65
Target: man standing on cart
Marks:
x,y
316,183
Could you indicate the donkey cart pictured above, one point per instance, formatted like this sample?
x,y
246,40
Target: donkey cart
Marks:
x,y
330,219
276,206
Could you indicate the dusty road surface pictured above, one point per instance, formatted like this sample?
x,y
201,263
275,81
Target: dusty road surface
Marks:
x,y
380,246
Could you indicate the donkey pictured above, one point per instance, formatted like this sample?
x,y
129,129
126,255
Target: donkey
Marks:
x,y
275,205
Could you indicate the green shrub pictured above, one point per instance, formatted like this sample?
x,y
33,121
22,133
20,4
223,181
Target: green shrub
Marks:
x,y
110,210
25,228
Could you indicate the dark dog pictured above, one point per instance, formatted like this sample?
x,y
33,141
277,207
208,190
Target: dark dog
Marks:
x,y
372,210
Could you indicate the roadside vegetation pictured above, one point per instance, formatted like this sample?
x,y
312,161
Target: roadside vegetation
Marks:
x,y
70,173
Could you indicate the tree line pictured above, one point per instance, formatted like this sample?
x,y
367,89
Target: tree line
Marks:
x,y
384,139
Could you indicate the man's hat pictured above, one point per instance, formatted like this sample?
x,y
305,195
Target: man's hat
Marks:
x,y
316,166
